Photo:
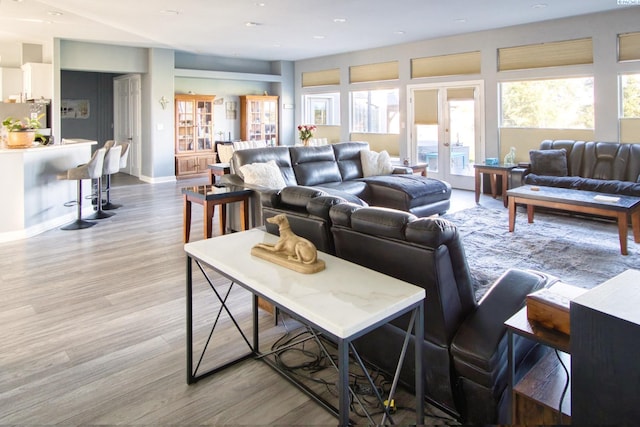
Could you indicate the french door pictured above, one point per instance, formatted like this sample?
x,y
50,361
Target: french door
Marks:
x,y
447,130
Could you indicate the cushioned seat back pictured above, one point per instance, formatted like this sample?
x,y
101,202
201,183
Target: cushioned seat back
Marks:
x,y
262,155
314,165
307,210
574,149
605,160
423,251
347,155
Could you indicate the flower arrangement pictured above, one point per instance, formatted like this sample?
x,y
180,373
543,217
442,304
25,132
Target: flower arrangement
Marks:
x,y
26,124
306,132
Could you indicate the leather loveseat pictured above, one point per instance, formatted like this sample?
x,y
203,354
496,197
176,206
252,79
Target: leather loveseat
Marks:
x,y
464,345
603,167
337,169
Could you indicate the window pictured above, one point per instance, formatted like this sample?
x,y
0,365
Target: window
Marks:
x,y
322,109
551,104
375,111
630,85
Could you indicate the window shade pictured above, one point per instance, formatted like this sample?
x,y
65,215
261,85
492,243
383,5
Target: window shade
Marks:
x,y
374,72
446,65
425,107
321,78
461,93
629,47
570,52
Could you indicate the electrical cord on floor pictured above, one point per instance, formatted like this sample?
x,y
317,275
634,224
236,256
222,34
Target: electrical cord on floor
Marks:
x,y
566,386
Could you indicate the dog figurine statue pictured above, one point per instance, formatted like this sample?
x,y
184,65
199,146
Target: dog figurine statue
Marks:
x,y
294,247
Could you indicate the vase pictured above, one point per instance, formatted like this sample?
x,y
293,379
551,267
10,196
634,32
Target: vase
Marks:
x,y
305,142
21,139
510,158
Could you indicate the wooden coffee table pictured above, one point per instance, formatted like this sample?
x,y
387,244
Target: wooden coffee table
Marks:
x,y
580,202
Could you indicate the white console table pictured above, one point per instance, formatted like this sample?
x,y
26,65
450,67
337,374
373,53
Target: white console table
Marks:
x,y
343,302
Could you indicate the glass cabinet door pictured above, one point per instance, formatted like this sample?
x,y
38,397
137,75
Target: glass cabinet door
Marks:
x,y
184,124
204,125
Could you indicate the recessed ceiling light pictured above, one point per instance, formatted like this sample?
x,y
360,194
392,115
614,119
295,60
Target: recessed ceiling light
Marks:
x,y
318,37
460,20
170,12
261,4
539,6
277,45
399,33
54,13
339,20
251,24
18,1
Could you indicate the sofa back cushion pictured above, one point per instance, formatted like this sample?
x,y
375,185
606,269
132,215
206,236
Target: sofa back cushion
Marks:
x,y
314,165
347,155
262,155
426,252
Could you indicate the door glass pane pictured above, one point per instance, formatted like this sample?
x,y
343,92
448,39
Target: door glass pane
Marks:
x,y
428,146
462,137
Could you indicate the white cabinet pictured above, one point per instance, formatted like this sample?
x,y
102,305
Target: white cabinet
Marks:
x,y
10,83
37,81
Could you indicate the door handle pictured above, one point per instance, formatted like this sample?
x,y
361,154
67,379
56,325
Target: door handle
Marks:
x,y
446,144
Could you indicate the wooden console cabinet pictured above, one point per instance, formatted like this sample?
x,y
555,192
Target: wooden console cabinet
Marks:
x,y
194,142
605,342
259,118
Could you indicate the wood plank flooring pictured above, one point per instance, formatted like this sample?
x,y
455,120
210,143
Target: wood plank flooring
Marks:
x,y
93,328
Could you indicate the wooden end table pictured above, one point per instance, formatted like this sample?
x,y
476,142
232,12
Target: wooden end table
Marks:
x,y
494,171
218,169
209,196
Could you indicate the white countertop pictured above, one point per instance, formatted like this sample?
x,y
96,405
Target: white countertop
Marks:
x,y
343,299
38,147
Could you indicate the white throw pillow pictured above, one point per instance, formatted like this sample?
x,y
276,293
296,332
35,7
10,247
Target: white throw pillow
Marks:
x,y
225,151
264,174
374,163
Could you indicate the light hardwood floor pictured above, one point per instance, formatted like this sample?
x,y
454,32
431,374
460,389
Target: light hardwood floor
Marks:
x,y
93,328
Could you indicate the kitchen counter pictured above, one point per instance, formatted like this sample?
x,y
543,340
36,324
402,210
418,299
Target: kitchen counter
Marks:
x,y
31,192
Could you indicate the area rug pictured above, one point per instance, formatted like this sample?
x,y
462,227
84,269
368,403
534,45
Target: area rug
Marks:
x,y
579,251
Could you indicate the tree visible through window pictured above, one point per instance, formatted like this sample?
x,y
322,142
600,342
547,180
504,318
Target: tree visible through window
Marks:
x,y
551,104
631,96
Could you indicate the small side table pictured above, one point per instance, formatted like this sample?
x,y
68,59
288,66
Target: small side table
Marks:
x,y
218,169
494,171
420,168
209,196
535,398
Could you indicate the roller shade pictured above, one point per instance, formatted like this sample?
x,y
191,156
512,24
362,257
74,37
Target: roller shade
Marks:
x,y
321,78
570,52
446,65
461,93
425,107
629,47
374,72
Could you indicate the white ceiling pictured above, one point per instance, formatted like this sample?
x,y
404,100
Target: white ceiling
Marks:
x,y
285,30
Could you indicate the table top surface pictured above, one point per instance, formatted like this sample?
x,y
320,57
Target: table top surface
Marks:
x,y
575,197
212,192
344,299
219,166
501,166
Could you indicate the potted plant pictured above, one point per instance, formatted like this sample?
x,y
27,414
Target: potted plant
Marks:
x,y
22,133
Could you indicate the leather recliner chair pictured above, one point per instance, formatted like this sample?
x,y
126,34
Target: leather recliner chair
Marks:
x,y
465,344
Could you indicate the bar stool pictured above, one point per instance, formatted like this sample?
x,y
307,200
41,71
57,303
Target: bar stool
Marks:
x,y
91,170
111,163
124,155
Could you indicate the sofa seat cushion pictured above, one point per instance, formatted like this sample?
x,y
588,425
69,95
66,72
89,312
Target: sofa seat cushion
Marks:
x,y
605,186
552,181
405,192
356,188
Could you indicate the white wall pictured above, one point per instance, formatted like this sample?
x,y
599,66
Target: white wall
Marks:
x,y
602,27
